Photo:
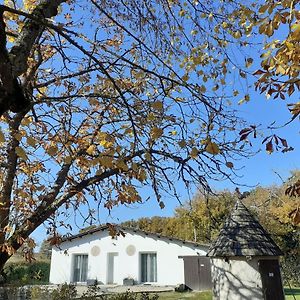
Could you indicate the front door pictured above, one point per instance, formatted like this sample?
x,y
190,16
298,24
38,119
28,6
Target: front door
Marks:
x,y
111,267
271,279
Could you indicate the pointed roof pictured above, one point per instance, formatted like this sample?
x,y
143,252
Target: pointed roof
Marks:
x,y
242,235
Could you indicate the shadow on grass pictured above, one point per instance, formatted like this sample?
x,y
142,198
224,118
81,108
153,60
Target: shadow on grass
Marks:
x,y
293,291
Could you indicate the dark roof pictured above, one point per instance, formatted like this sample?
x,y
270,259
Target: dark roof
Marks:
x,y
242,235
127,228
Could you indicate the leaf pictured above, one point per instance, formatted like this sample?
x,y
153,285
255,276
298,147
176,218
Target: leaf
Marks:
x,y
106,161
161,204
242,74
263,9
185,77
194,153
156,133
29,4
21,153
237,34
283,142
212,148
68,160
18,136
229,165
249,62
291,89
2,137
269,147
122,165
258,72
31,141
52,150
245,130
294,109
244,136
157,105
182,143
91,149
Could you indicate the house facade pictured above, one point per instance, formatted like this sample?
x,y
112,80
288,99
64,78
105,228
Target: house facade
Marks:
x,y
141,256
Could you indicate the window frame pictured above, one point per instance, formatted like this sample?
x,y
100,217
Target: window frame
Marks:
x,y
73,275
145,278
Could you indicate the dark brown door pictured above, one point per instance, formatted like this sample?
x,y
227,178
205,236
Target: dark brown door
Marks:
x,y
197,274
271,279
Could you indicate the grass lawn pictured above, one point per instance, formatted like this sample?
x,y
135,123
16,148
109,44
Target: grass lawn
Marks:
x,y
208,295
187,295
290,292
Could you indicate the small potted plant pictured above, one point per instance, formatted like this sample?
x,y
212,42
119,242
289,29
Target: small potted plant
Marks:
x,y
128,281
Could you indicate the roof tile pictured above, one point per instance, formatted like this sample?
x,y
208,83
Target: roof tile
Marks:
x,y
242,235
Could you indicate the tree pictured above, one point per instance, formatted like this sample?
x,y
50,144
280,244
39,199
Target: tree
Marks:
x,y
97,101
101,99
45,250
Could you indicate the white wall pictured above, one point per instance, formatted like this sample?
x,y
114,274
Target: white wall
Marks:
x,y
170,269
237,279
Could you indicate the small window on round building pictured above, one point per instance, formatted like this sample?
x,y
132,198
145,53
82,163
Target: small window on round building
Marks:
x,y
95,251
130,250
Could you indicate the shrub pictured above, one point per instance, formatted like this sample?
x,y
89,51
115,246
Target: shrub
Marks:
x,y
27,273
64,292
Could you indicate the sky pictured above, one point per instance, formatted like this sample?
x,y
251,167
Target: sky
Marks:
x,y
261,169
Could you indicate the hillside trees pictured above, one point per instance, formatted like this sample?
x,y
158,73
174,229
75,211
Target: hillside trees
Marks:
x,y
100,99
202,218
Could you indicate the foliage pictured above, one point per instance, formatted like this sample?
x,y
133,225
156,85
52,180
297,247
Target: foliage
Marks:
x,y
64,292
27,273
45,250
199,220
131,296
98,101
69,291
136,100
205,215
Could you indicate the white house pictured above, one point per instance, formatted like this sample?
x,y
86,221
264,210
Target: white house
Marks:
x,y
141,256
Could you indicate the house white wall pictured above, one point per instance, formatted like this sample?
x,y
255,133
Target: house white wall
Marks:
x,y
236,279
170,268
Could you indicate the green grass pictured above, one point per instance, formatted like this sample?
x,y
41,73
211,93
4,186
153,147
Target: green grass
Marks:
x,y
187,295
289,295
293,293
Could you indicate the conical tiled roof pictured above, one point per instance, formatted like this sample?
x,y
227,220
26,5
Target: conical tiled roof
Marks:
x,y
242,235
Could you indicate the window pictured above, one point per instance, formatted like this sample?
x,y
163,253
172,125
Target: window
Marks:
x,y
148,267
80,265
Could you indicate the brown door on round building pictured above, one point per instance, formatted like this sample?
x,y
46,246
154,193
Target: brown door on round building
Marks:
x,y
271,279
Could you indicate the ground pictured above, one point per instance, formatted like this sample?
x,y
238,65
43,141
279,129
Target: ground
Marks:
x,y
166,293
188,295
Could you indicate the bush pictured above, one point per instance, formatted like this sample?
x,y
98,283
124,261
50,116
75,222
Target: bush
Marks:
x,y
64,292
291,270
27,273
68,292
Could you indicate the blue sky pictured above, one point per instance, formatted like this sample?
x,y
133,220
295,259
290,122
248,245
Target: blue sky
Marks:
x,y
260,169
